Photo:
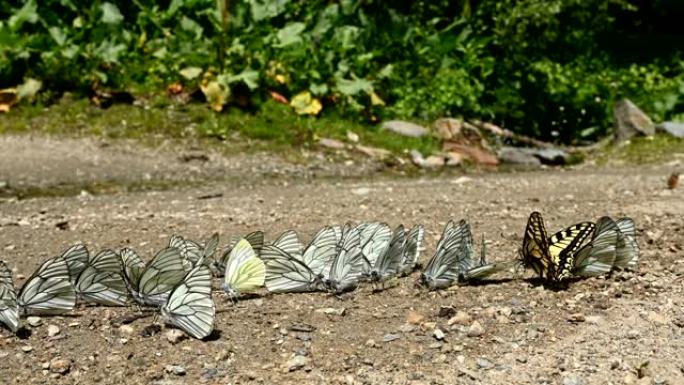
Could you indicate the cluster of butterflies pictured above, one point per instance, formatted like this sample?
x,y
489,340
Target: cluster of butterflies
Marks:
x,y
178,279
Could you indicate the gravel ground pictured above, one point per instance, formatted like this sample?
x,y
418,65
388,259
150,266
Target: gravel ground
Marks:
x,y
625,329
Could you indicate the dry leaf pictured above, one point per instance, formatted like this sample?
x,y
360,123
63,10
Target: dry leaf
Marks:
x,y
8,98
278,97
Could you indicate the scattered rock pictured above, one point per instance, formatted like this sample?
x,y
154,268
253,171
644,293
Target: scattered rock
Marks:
x,y
447,128
361,191
209,374
461,318
657,318
675,129
572,379
414,318
407,328
26,348
475,330
550,156
352,136
331,143
630,121
126,329
332,311
52,330
484,363
34,321
446,311
479,155
434,161
295,363
373,152
453,159
371,343
405,128
576,317
60,365
175,369
175,336
438,334
390,337
301,327
514,155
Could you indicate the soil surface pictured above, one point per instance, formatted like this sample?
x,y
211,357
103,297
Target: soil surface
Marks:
x,y
624,329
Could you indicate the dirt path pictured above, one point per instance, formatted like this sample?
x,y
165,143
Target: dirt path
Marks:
x,y
599,331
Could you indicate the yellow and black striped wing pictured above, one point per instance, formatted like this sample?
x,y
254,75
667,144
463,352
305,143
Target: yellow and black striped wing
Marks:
x,y
562,247
535,249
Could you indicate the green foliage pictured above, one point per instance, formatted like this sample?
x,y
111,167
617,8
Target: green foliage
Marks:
x,y
549,68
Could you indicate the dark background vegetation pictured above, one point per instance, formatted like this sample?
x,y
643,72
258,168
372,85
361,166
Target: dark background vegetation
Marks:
x,y
548,68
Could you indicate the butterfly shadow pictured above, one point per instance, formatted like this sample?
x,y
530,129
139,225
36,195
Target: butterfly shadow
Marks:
x,y
214,336
488,282
550,285
23,333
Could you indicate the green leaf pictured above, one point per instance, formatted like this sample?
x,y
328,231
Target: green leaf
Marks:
x,y
192,26
111,14
191,73
318,89
386,71
29,89
290,34
174,6
57,35
266,9
27,14
248,76
354,86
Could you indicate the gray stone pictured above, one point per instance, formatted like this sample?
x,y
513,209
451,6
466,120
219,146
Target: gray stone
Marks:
x,y
572,379
390,337
476,330
297,362
175,336
484,363
60,365
331,143
34,321
52,330
630,121
405,128
438,334
175,369
514,155
675,129
550,156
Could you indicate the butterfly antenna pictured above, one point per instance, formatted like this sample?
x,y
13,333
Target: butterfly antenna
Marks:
x,y
483,251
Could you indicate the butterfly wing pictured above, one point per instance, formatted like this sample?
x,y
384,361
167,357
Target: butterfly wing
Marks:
x,y
387,265
598,256
190,306
453,249
289,242
102,281
190,251
244,271
562,247
320,253
535,251
76,258
48,290
348,265
412,249
374,240
286,273
9,311
160,276
627,250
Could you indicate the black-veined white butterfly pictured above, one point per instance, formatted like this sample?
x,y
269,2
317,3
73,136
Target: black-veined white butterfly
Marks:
x,y
477,270
598,256
245,272
48,291
190,306
453,253
374,241
412,249
192,252
76,258
348,266
627,251
150,284
102,281
9,312
255,239
288,270
387,265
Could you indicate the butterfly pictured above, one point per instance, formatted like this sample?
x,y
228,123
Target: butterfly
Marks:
x,y
552,257
413,246
150,284
255,239
48,290
9,311
627,250
192,252
348,266
387,264
598,256
452,256
244,270
374,238
190,306
480,269
290,270
102,280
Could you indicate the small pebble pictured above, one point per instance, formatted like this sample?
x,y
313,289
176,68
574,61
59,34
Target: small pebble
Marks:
x,y
175,369
52,330
572,379
475,330
175,336
438,334
390,337
60,365
126,329
295,363
34,321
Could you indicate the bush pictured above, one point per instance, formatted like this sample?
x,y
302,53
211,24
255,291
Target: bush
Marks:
x,y
549,68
